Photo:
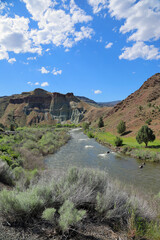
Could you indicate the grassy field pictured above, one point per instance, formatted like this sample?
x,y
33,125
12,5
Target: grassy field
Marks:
x,y
129,141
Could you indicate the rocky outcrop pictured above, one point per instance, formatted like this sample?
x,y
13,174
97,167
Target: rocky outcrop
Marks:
x,y
6,176
41,106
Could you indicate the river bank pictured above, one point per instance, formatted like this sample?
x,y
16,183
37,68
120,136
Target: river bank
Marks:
x,y
93,205
22,152
130,147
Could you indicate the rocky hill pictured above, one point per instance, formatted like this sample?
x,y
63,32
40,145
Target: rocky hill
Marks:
x,y
41,106
137,108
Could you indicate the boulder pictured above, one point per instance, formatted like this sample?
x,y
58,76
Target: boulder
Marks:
x,y
6,175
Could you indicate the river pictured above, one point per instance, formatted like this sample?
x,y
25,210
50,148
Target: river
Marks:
x,y
82,151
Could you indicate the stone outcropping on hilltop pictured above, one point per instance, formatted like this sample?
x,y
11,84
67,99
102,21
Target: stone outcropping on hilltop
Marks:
x,y
41,106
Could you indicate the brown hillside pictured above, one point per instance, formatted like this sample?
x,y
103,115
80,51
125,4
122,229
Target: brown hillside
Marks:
x,y
138,107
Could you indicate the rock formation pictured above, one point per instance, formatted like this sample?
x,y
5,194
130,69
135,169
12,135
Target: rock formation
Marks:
x,y
41,106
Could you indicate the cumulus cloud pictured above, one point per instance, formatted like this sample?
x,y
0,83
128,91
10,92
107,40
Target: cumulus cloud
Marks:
x,y
57,23
56,72
43,70
109,45
97,91
45,84
141,22
98,5
15,36
12,60
140,50
37,83
142,18
30,83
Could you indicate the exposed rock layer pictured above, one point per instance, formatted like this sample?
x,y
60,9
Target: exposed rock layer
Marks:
x,y
41,106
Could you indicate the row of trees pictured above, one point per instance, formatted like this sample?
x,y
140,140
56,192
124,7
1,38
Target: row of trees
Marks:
x,y
145,134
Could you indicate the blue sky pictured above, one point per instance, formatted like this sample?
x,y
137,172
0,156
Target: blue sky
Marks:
x,y
101,49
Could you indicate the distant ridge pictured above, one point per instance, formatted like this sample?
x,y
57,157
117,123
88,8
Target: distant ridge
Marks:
x,y
108,104
98,104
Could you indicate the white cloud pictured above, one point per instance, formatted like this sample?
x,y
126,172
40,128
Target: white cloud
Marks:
x,y
140,50
37,83
2,6
15,36
3,53
142,18
31,58
109,45
12,60
97,91
45,84
58,25
141,22
56,72
43,70
98,5
30,83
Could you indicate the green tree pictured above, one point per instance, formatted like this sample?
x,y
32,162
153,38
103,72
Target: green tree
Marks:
x,y
118,141
121,128
101,122
145,134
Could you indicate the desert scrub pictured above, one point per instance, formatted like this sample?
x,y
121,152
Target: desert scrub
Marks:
x,y
62,202
20,206
49,215
27,146
69,215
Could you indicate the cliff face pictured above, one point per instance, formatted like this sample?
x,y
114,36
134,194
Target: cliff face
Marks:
x,y
41,106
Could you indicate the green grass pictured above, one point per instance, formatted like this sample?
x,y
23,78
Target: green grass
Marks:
x,y
129,141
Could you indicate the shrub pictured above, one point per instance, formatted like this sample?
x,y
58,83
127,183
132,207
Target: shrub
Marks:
x,y
118,142
145,134
85,125
121,128
90,134
58,125
148,121
140,108
48,214
19,206
126,149
69,215
101,122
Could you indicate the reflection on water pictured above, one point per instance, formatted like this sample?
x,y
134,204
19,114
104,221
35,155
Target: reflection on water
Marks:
x,y
81,151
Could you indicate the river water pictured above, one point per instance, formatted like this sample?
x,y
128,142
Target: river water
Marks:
x,y
82,151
